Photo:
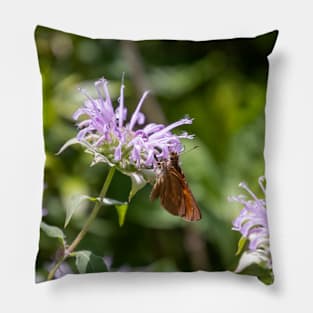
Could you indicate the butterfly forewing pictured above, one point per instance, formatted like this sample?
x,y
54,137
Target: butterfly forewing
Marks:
x,y
173,190
172,195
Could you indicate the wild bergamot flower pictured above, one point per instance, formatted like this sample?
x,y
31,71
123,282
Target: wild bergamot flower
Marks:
x,y
253,226
130,146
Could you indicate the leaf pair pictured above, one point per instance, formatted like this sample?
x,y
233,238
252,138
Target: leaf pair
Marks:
x,y
85,261
121,207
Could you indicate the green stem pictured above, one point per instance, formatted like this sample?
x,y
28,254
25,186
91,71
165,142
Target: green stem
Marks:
x,y
87,224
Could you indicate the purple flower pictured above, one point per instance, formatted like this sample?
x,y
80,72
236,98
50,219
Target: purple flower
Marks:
x,y
128,145
132,147
252,224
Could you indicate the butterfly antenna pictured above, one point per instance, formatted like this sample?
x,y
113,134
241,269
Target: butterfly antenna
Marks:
x,y
191,149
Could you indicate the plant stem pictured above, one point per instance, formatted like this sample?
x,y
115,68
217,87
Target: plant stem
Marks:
x,y
87,224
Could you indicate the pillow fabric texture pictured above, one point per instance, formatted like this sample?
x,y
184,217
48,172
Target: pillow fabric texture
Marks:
x,y
154,155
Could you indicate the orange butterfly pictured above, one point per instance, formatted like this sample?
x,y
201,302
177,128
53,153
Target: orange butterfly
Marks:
x,y
172,188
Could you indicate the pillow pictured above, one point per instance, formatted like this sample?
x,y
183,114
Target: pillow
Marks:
x,y
154,155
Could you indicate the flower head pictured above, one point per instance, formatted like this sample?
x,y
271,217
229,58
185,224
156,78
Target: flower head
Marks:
x,y
127,145
252,224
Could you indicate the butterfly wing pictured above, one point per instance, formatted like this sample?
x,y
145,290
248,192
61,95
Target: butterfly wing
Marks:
x,y
192,211
157,187
171,194
169,189
188,208
173,190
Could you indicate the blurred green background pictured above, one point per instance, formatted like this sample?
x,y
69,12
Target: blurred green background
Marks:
x,y
221,84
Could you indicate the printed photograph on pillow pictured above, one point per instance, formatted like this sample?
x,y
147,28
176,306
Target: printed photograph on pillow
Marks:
x,y
154,155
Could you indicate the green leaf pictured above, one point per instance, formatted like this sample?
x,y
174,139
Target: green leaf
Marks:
x,y
138,182
70,142
76,203
71,194
98,157
267,278
121,211
53,231
241,244
109,201
121,208
74,141
250,258
253,263
87,262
